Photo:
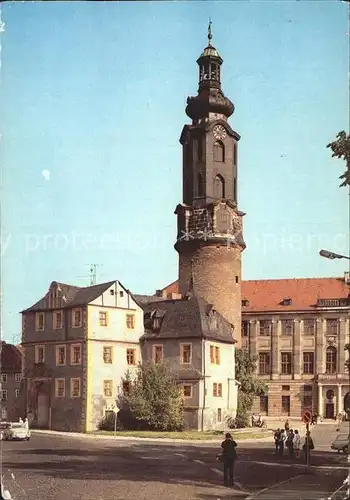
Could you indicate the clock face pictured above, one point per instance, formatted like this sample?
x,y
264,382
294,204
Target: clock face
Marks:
x,y
219,132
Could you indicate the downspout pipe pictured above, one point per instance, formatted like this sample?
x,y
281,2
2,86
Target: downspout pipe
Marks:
x,y
204,383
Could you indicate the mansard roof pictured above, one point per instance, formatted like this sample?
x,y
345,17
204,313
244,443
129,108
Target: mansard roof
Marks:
x,y
191,317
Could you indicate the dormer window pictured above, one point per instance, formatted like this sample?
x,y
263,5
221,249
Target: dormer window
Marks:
x,y
287,301
156,323
245,302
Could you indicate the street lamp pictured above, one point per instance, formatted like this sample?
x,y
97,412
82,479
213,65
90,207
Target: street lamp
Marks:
x,y
332,255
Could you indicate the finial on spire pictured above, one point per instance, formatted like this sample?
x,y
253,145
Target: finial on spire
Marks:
x,y
210,36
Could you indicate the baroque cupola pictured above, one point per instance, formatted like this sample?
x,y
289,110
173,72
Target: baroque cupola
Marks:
x,y
210,103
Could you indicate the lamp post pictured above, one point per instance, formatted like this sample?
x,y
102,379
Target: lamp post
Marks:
x,y
332,255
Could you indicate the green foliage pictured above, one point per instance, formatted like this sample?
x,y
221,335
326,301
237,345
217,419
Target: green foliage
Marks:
x,y
341,149
155,399
250,386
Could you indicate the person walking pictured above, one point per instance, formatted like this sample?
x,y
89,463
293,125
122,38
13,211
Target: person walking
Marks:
x,y
277,438
286,426
308,446
289,443
282,438
229,456
296,443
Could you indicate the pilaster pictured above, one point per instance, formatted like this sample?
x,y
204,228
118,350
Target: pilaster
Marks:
x,y
343,339
339,400
320,400
320,346
275,355
253,336
297,350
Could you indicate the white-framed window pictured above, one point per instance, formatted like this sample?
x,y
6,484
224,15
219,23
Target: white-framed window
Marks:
x,y
77,318
75,354
215,355
158,353
58,320
18,378
4,413
39,354
4,395
131,356
4,378
17,391
217,390
61,355
103,318
187,390
108,388
108,354
60,387
130,321
75,388
219,415
185,354
40,321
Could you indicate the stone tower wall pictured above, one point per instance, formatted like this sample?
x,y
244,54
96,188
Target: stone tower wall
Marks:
x,y
216,272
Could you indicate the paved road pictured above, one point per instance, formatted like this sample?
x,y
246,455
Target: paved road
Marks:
x,y
52,467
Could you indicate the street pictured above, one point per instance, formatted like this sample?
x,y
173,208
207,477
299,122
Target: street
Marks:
x,y
53,467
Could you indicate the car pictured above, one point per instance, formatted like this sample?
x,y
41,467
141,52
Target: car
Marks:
x,y
14,431
341,443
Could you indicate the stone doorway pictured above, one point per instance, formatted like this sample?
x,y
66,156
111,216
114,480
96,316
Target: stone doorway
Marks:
x,y
330,411
43,412
40,399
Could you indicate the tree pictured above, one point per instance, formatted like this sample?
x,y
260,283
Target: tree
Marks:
x,y
341,149
155,398
249,387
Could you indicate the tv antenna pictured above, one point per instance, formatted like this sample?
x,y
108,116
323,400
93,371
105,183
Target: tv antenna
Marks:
x,y
92,276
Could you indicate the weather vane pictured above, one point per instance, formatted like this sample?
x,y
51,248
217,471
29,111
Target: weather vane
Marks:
x,y
210,36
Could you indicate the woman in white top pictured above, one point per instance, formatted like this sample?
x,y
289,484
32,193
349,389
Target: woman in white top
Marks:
x,y
296,443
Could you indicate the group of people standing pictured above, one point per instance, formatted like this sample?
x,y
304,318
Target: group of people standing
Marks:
x,y
290,439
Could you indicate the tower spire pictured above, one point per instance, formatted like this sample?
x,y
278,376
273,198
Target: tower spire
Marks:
x,y
210,36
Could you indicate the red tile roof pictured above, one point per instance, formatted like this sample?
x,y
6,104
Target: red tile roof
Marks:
x,y
267,295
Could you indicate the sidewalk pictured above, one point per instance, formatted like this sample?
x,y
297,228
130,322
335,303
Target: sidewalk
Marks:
x,y
317,486
145,440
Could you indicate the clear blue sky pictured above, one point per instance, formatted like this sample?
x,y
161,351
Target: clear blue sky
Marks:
x,y
95,94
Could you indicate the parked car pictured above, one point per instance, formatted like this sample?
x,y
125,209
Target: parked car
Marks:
x,y
341,443
13,431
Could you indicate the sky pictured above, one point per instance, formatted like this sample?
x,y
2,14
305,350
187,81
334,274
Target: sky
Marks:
x,y
93,100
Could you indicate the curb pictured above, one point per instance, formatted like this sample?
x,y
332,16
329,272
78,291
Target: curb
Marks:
x,y
144,439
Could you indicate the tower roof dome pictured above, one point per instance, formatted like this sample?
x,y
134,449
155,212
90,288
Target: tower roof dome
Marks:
x,y
210,98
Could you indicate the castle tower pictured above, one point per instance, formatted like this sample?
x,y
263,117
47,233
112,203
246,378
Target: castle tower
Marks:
x,y
209,235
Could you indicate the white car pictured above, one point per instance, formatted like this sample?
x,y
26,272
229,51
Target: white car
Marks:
x,y
13,431
341,443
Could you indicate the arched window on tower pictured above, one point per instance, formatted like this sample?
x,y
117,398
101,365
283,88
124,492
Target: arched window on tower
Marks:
x,y
331,360
219,187
235,189
219,151
200,185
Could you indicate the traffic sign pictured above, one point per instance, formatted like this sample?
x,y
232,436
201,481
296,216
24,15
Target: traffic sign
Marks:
x,y
307,417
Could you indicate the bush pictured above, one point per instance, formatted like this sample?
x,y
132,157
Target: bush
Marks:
x,y
155,399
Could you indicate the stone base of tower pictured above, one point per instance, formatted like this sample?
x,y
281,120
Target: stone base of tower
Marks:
x,y
214,273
